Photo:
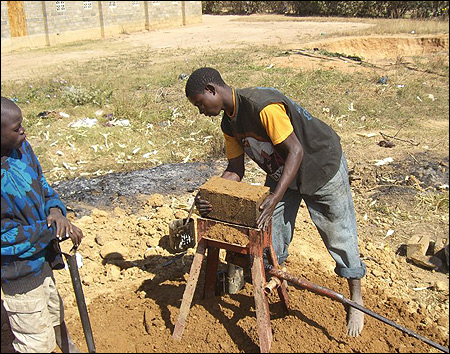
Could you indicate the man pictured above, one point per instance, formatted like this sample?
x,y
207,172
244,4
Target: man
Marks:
x,y
303,159
32,217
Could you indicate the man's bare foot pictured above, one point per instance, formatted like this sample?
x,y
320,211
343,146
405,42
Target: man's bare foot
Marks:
x,y
355,318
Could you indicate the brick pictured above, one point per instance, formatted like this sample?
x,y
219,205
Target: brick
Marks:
x,y
417,245
430,262
234,202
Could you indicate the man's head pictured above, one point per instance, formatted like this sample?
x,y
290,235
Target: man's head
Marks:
x,y
204,90
13,134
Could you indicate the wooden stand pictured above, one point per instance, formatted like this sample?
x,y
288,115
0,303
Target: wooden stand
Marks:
x,y
259,242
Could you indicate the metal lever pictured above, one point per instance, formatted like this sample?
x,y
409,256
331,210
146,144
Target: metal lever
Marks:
x,y
305,284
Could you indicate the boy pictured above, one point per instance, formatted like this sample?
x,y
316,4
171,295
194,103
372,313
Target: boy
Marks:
x,y
303,159
32,215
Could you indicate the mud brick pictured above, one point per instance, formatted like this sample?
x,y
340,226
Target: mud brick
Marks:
x,y
417,245
430,262
234,202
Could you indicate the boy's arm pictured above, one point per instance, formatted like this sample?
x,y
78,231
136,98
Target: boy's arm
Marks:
x,y
54,208
294,152
19,240
51,198
234,171
57,215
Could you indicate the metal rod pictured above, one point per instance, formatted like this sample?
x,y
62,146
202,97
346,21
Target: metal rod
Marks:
x,y
273,283
81,304
191,210
305,284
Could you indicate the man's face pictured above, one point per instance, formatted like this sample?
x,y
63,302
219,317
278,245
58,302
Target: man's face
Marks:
x,y
13,134
208,102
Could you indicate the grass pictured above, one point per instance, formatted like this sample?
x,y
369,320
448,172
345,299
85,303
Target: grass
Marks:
x,y
379,26
146,89
432,202
166,128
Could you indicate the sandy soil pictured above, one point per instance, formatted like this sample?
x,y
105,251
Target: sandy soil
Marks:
x,y
134,294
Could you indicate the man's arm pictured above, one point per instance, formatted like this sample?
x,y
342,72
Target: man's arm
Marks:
x,y
294,152
235,169
233,172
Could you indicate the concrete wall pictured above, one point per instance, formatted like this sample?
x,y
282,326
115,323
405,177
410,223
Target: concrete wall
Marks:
x,y
30,24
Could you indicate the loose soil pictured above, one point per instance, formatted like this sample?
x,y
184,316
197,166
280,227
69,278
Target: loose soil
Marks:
x,y
227,234
133,283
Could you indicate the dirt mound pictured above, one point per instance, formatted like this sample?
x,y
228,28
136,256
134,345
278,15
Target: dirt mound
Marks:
x,y
134,284
349,53
374,48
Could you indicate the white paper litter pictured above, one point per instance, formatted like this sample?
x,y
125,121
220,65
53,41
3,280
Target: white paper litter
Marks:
x,y
84,122
384,161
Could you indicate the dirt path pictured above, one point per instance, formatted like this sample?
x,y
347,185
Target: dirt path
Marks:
x,y
225,32
134,296
213,32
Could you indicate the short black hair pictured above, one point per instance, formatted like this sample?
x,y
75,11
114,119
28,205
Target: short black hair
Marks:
x,y
7,103
200,78
7,106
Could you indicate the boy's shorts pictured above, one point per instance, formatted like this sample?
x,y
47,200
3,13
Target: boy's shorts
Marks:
x,y
32,316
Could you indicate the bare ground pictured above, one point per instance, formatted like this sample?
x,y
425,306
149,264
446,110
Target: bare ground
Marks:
x,y
134,296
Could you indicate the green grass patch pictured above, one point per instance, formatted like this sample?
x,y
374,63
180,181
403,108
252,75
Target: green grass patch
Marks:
x,y
146,90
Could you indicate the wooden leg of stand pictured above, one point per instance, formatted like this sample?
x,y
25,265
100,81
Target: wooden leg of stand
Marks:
x,y
212,263
282,290
261,304
189,291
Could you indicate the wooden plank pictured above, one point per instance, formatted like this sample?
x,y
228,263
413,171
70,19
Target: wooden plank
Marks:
x,y
212,263
189,291
261,305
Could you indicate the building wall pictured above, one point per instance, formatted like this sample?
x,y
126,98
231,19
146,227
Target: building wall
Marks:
x,y
5,32
47,23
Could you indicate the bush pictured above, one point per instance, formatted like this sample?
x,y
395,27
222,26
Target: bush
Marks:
x,y
383,9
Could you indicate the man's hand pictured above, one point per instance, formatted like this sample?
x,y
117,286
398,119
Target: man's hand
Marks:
x,y
267,207
64,228
203,206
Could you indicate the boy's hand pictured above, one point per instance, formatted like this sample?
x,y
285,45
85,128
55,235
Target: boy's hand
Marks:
x,y
64,228
76,234
203,206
